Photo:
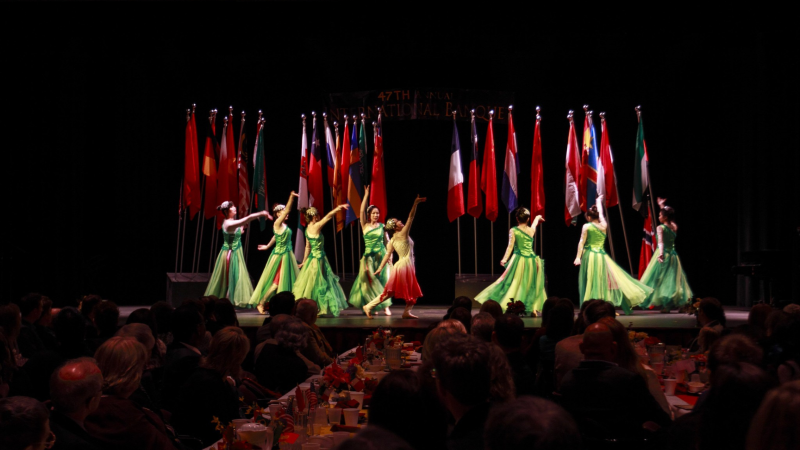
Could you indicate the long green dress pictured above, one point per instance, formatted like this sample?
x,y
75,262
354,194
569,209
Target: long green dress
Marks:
x,y
601,278
668,280
281,269
523,279
230,278
366,287
318,282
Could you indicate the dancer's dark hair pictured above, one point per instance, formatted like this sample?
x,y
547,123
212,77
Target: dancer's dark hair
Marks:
x,y
523,215
592,213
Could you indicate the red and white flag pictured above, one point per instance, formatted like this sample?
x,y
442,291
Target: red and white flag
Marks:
x,y
244,185
537,173
572,204
210,171
606,181
302,198
455,186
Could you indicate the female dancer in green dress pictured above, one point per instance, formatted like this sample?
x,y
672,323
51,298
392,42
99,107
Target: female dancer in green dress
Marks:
x,y
230,278
665,273
281,269
316,280
366,287
600,277
523,279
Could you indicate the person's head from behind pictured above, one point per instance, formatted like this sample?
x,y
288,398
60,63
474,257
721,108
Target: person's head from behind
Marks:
x,y
76,388
69,327
24,424
508,330
598,343
162,313
141,332
106,317
492,307
774,426
225,313
307,310
531,423
46,318
734,348
437,335
30,306
146,317
561,320
592,214
597,310
757,317
463,372
482,326
501,387
282,303
188,325
122,361
547,306
10,322
523,215
454,324
289,331
462,315
710,310
462,302
227,351
626,356
87,305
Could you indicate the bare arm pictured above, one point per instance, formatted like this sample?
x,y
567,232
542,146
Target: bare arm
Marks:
x,y
580,245
407,228
364,218
510,248
321,222
660,233
305,256
536,221
282,215
601,211
233,224
386,257
269,245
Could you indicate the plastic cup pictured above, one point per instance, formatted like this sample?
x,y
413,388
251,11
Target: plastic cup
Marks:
x,y
351,416
359,397
321,416
340,436
273,410
335,416
669,386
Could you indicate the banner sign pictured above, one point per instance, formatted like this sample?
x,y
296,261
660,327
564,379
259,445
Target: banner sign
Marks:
x,y
422,104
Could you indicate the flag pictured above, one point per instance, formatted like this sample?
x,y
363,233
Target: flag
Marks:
x,y
244,185
330,153
606,180
489,176
455,186
362,151
210,171
537,173
233,173
302,199
344,169
287,420
225,176
648,244
355,188
260,177
312,398
315,183
301,399
572,206
640,176
510,169
377,190
588,181
474,201
192,197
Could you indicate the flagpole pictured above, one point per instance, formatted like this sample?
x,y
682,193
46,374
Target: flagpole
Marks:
x,y
200,224
475,233
341,232
213,243
491,233
352,251
246,229
621,217
180,213
474,219
647,167
458,219
330,191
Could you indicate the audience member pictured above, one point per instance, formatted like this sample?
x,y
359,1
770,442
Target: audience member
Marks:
x,y
86,307
44,325
30,308
8,368
568,354
317,348
146,317
278,367
24,424
183,356
215,379
531,423
492,307
75,391
462,315
712,322
147,394
281,303
10,324
482,326
507,335
560,320
373,437
437,335
225,314
756,327
774,426
70,329
459,302
606,400
463,377
312,369
119,422
162,313
453,323
782,346
501,388
106,318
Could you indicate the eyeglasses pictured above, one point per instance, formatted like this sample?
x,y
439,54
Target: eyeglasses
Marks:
x,y
50,441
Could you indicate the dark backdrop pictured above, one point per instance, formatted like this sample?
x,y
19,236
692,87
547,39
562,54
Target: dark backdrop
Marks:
x,y
95,116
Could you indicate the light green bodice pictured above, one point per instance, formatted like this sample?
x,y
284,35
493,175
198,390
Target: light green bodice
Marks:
x,y
317,245
373,241
523,244
283,242
595,239
667,238
232,241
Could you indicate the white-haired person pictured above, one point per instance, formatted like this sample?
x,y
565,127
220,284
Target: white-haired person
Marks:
x,y
281,270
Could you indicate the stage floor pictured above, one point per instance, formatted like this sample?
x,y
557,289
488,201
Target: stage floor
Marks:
x,y
354,318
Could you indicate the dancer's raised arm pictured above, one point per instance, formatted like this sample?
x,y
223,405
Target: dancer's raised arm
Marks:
x,y
536,221
233,224
285,212
364,201
407,228
269,244
321,222
601,211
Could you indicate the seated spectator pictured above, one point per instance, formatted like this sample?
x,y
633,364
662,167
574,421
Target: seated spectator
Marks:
x,y
215,379
86,307
44,325
75,390
278,367
712,322
147,394
560,320
502,388
10,324
183,356
454,324
24,424
459,302
568,353
507,336
373,437
118,422
492,307
402,394
756,327
106,317
29,342
8,368
462,315
774,426
606,400
482,326
532,350
531,423
225,314
782,346
162,313
281,303
317,348
146,317
70,329
312,369
437,335
463,377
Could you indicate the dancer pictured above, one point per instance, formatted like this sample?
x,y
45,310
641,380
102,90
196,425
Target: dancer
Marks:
x,y
403,279
316,280
281,269
366,287
600,277
230,278
523,279
665,273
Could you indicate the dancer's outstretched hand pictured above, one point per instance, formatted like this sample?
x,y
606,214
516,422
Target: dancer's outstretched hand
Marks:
x,y
577,262
420,199
294,194
344,206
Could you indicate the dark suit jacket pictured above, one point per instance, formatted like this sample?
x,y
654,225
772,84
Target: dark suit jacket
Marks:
x,y
122,425
179,364
467,434
70,435
280,369
28,340
204,396
608,401
524,376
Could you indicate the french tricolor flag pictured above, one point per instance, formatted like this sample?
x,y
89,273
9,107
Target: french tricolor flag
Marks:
x,y
511,169
455,192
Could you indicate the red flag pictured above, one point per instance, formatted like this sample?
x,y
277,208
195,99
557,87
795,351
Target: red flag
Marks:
x,y
537,173
607,168
233,181
315,182
489,175
648,244
377,190
244,186
301,399
474,201
192,197
210,171
337,179
344,176
572,206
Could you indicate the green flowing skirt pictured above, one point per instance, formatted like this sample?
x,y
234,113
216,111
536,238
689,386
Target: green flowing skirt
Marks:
x,y
367,287
230,278
523,280
668,280
601,278
281,271
318,282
